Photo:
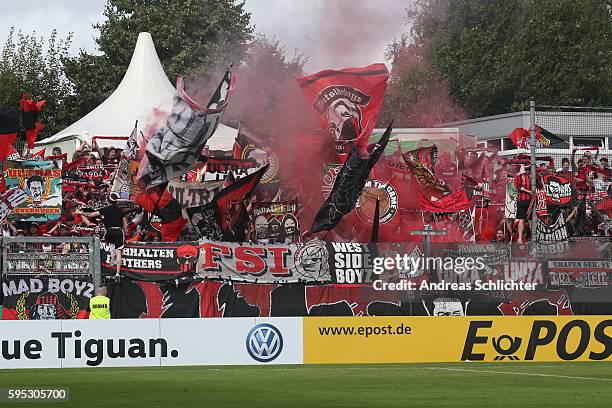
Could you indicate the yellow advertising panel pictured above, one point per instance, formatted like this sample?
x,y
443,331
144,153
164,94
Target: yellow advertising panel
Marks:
x,y
337,340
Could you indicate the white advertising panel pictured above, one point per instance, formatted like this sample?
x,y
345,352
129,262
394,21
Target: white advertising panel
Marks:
x,y
27,345
150,342
234,341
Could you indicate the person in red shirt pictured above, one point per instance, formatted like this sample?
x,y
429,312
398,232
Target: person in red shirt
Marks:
x,y
566,170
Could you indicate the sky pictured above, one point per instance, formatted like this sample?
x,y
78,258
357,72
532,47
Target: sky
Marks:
x,y
332,33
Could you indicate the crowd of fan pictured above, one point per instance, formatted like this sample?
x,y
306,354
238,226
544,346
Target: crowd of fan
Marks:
x,y
591,176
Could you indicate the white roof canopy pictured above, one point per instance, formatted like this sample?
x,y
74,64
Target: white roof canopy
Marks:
x,y
144,94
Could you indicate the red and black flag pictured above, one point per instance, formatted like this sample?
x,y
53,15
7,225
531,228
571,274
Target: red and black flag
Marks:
x,y
543,139
554,141
158,201
347,101
420,162
348,185
451,203
216,220
30,111
427,156
8,131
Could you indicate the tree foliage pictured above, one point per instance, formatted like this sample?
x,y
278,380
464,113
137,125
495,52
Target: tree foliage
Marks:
x,y
192,38
498,54
493,56
34,65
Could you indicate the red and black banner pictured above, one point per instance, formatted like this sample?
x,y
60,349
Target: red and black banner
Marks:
x,y
215,220
139,299
347,101
46,298
160,202
152,261
30,111
348,185
451,203
559,190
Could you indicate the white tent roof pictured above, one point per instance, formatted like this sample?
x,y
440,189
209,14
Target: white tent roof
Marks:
x,y
144,90
144,94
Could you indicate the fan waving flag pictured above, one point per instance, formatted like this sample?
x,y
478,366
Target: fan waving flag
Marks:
x,y
158,201
30,111
347,101
216,219
348,185
543,138
420,162
121,181
8,131
174,149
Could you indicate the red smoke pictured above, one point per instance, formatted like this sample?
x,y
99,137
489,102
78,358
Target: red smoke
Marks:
x,y
268,102
416,95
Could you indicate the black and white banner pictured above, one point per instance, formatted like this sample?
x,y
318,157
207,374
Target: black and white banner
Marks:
x,y
273,263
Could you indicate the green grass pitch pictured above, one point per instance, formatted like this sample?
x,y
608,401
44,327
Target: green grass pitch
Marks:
x,y
407,385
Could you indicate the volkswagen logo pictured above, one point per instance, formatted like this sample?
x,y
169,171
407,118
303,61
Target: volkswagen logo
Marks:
x,y
264,343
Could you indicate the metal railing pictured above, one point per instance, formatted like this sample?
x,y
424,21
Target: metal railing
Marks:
x,y
58,256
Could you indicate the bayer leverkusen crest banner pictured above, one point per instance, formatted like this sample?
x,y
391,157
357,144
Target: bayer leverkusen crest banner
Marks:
x,y
46,298
42,182
347,101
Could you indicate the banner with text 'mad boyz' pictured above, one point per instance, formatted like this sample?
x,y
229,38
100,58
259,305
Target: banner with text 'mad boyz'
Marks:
x,y
46,298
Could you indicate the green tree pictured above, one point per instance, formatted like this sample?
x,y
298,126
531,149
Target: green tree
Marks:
x,y
32,65
192,37
496,55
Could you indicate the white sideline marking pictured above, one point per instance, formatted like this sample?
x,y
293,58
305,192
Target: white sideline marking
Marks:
x,y
519,373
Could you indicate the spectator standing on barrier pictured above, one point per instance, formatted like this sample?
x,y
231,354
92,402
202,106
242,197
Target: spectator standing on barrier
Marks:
x,y
99,305
116,225
522,183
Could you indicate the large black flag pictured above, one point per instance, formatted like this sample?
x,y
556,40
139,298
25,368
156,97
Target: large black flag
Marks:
x,y
348,185
376,221
216,220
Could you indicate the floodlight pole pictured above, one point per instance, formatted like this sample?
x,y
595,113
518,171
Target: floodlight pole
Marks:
x,y
532,129
427,232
